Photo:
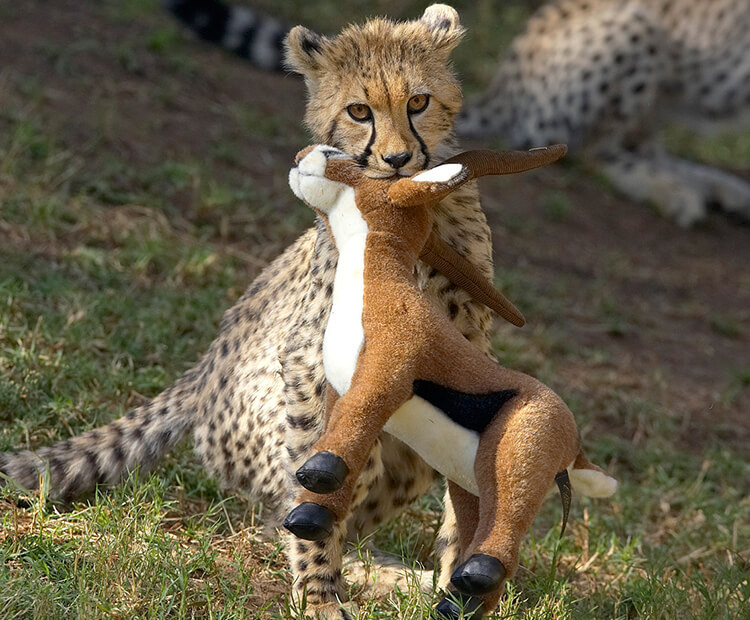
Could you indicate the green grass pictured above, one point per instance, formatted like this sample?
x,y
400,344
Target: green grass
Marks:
x,y
101,308
114,272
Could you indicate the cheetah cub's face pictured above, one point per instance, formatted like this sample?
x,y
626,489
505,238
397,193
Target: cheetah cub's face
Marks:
x,y
384,92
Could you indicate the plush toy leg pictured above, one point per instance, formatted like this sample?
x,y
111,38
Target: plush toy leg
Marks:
x,y
480,574
323,472
466,507
455,605
518,458
310,521
356,421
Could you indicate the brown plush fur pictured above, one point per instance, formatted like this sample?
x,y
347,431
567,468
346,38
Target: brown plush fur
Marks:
x,y
531,438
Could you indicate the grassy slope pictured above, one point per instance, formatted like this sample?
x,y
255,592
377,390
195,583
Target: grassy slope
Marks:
x,y
116,263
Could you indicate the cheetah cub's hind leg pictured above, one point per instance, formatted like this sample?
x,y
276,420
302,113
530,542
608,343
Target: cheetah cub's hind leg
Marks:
x,y
380,574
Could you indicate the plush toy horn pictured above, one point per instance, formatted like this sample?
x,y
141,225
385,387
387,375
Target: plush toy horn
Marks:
x,y
483,163
431,186
438,254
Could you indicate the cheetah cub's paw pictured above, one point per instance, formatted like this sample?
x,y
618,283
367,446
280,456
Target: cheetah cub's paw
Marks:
x,y
308,180
331,611
379,575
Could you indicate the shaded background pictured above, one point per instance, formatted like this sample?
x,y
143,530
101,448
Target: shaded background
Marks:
x,y
143,184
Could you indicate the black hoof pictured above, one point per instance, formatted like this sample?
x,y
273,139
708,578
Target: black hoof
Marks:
x,y
323,472
310,521
480,574
456,605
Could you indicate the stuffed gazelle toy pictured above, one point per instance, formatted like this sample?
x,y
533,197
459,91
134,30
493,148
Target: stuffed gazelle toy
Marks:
x,y
395,362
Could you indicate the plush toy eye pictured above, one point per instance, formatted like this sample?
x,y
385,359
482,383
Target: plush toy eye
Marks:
x,y
418,103
359,112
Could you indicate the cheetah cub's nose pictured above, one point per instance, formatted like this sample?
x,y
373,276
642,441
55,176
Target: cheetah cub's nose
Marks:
x,y
397,160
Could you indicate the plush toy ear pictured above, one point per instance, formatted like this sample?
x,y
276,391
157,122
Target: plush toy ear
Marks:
x,y
444,173
429,185
304,51
444,25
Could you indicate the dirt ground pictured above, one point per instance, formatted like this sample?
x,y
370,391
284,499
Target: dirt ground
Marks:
x,y
630,306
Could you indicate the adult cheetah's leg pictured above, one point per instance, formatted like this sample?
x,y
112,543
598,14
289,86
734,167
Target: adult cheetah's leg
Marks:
x,y
680,189
724,189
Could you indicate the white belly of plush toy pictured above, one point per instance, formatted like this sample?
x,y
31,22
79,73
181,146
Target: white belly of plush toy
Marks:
x,y
344,335
445,446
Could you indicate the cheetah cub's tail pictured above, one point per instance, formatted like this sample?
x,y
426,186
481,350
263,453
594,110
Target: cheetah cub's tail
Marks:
x,y
72,468
589,479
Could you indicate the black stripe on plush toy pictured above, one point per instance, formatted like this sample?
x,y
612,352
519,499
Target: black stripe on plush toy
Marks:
x,y
472,411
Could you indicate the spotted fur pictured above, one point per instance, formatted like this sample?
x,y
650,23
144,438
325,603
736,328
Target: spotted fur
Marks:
x,y
254,403
603,75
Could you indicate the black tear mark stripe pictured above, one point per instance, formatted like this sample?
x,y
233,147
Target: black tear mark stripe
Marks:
x,y
472,411
422,145
365,155
331,132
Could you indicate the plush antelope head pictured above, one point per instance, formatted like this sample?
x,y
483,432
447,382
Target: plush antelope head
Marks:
x,y
425,189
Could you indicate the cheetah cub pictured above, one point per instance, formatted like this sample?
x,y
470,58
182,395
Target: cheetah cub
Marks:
x,y
254,405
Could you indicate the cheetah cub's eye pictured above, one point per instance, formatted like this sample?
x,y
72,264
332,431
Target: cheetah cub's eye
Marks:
x,y
359,112
418,103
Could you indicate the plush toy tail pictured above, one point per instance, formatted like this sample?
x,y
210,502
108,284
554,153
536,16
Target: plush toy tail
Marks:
x,y
590,480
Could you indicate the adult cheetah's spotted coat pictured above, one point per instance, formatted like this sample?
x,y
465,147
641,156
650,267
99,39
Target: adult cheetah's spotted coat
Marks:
x,y
603,76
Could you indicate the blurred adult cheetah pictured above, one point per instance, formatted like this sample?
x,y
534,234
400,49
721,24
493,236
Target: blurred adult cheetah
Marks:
x,y
603,76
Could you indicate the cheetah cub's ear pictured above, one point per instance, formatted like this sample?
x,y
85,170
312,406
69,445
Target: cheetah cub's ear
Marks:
x,y
304,51
444,25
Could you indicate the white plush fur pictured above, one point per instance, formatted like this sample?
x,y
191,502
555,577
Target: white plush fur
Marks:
x,y
591,482
344,335
308,183
439,174
446,446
